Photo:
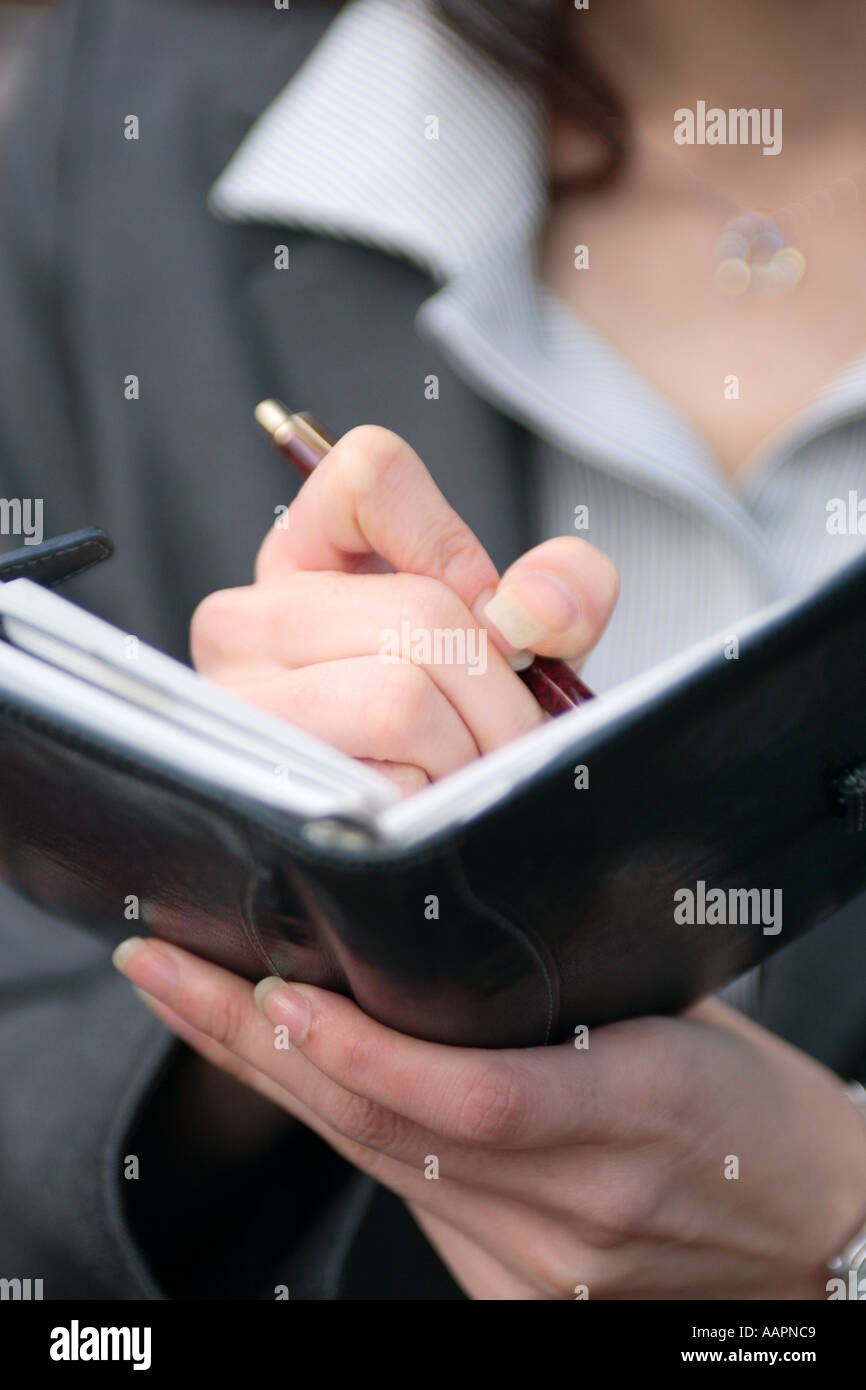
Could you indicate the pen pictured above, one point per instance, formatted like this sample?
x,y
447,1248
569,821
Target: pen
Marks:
x,y
304,442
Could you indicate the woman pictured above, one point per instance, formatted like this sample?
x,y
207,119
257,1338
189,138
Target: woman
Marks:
x,y
577,269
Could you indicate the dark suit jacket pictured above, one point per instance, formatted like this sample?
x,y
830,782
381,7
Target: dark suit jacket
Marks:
x,y
111,265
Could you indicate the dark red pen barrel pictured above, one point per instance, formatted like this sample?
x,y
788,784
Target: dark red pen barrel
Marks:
x,y
555,686
303,455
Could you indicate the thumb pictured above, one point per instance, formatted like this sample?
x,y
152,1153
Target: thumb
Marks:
x,y
555,600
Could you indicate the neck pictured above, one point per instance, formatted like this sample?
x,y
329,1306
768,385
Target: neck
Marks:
x,y
666,54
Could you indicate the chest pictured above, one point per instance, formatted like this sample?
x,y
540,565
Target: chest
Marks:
x,y
641,273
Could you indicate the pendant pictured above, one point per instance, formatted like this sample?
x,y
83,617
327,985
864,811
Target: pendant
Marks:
x,y
753,255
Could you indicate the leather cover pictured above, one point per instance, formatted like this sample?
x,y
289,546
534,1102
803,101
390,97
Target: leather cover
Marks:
x,y
552,909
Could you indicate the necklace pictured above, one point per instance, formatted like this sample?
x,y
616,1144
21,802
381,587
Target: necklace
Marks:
x,y
754,254
757,253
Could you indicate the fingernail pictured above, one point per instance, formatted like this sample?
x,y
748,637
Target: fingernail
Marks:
x,y
517,660
541,608
125,951
147,999
153,971
284,1006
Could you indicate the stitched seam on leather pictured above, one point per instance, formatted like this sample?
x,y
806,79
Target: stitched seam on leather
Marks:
x,y
82,568
41,561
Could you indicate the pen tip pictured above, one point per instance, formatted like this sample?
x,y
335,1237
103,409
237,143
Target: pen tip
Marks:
x,y
271,414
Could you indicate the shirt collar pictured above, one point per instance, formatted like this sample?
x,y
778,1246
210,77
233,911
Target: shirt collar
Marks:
x,y
396,134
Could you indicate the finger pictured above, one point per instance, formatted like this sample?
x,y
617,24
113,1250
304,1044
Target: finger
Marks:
x,y
372,495
543,1249
509,1098
220,1004
355,1125
215,1053
214,1011
506,1098
386,713
461,1219
397,618
556,599
406,777
375,1161
440,1204
293,1082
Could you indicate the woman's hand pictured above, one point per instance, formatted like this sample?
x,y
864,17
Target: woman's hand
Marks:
x,y
699,1157
370,547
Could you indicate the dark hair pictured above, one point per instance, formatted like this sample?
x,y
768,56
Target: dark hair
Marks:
x,y
534,41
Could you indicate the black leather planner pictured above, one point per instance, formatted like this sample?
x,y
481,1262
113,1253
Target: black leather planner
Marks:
x,y
626,858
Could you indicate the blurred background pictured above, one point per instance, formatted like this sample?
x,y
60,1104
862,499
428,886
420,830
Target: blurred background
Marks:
x,y
20,24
